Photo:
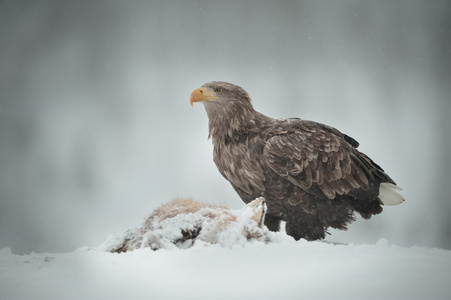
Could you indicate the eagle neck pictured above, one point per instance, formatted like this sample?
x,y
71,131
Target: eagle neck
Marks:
x,y
229,123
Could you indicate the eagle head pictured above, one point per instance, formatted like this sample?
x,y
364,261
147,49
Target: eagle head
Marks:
x,y
220,92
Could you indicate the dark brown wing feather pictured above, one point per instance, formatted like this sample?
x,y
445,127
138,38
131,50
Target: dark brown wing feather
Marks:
x,y
321,160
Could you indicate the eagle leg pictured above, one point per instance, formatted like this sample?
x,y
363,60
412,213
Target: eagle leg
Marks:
x,y
305,227
272,222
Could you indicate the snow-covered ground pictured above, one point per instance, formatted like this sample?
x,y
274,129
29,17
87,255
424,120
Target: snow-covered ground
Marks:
x,y
281,269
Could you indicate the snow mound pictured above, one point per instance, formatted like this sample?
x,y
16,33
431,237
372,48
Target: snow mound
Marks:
x,y
183,222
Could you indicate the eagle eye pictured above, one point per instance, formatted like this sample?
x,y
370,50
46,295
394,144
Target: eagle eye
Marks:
x,y
217,90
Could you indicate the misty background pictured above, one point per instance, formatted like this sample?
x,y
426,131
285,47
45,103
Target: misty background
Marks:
x,y
96,129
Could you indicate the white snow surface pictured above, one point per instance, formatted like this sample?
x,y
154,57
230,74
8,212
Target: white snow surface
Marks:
x,y
281,269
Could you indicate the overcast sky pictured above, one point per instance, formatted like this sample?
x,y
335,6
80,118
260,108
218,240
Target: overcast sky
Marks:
x,y
96,129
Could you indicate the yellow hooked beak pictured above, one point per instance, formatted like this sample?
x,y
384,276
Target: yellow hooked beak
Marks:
x,y
201,94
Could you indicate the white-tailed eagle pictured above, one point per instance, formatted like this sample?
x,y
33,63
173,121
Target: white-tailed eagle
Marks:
x,y
311,175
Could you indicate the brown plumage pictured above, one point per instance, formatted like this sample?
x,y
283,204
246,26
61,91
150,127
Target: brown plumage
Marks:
x,y
311,175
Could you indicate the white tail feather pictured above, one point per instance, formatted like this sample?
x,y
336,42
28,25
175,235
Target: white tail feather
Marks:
x,y
389,195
